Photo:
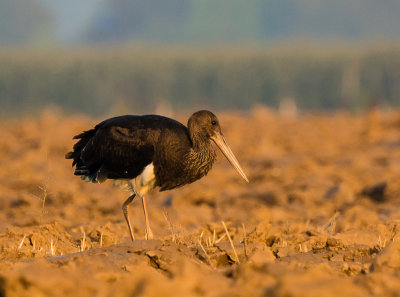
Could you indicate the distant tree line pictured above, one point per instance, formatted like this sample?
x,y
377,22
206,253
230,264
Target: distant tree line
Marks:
x,y
97,82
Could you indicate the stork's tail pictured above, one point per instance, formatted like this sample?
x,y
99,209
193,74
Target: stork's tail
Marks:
x,y
81,169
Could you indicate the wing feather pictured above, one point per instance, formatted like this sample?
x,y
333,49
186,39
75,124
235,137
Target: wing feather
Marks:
x,y
121,152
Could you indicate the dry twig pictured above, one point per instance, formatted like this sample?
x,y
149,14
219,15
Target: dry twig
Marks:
x,y
170,226
244,241
330,226
83,240
52,248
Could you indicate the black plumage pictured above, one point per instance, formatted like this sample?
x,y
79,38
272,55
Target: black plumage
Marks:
x,y
121,148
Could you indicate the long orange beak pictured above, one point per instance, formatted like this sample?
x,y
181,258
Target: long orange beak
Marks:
x,y
220,141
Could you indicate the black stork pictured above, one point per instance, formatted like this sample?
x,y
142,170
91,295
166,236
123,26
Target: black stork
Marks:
x,y
143,152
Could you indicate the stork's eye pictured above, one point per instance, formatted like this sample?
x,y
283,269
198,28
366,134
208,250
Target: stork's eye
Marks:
x,y
213,123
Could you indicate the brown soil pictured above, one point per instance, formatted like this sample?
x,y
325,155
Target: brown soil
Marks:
x,y
320,216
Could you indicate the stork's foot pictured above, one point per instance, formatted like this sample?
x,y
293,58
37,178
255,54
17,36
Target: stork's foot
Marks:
x,y
131,233
149,234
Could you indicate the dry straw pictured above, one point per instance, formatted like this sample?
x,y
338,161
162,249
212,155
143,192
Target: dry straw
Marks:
x,y
230,240
22,241
205,252
83,241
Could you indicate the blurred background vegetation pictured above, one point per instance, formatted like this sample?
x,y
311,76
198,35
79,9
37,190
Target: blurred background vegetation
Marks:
x,y
117,56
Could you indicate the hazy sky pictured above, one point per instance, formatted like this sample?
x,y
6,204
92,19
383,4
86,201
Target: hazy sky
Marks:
x,y
207,21
72,16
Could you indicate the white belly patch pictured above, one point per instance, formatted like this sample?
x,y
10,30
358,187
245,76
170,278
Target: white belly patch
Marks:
x,y
141,184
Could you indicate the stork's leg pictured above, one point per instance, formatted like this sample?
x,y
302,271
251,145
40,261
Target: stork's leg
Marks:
x,y
149,234
125,210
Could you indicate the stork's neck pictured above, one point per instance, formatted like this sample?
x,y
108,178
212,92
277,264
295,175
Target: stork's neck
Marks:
x,y
202,154
199,141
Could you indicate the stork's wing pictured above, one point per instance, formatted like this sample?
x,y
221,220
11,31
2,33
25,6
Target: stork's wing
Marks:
x,y
119,147
118,152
